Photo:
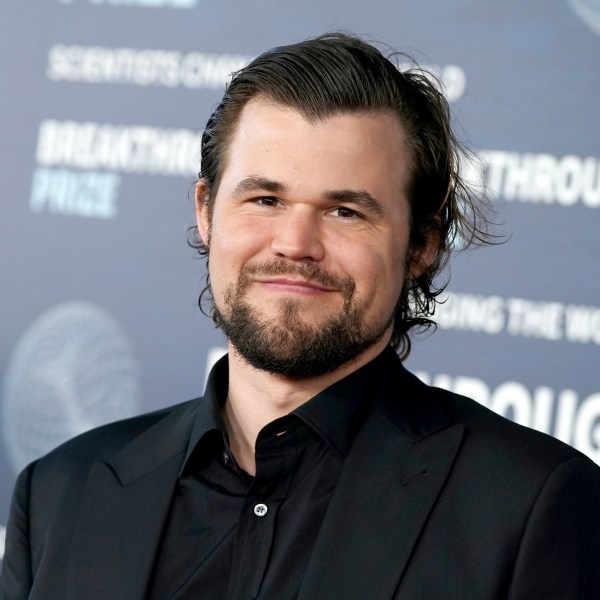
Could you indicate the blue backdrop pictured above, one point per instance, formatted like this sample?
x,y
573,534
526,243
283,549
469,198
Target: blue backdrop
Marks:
x,y
102,106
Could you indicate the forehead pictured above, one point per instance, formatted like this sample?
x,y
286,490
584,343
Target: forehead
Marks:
x,y
350,149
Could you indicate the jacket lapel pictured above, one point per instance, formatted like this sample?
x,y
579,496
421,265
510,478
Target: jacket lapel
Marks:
x,y
122,514
391,479
388,487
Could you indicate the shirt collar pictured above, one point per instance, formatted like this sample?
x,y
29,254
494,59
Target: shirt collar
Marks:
x,y
334,414
208,408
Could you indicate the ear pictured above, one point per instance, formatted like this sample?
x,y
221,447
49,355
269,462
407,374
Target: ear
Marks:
x,y
423,257
202,217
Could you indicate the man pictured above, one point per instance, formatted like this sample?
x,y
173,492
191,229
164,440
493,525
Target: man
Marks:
x,y
316,466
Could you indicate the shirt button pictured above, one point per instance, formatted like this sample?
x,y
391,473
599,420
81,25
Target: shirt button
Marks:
x,y
260,510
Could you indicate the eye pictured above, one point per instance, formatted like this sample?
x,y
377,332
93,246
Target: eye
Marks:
x,y
343,212
266,201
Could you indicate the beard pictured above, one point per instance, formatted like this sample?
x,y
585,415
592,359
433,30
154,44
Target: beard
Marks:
x,y
287,345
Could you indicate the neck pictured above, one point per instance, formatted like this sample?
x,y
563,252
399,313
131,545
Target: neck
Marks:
x,y
257,397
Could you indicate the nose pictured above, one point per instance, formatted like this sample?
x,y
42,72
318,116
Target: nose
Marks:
x,y
297,236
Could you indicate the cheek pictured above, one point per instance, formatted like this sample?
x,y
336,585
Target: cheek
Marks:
x,y
380,275
230,248
239,233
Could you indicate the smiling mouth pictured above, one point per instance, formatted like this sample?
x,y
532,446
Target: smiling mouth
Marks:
x,y
300,286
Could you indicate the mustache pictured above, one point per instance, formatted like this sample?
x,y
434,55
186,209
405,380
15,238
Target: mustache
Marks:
x,y
312,272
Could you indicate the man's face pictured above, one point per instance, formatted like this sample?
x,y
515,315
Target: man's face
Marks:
x,y
308,236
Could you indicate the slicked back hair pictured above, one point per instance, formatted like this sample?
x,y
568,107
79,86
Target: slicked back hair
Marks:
x,y
339,73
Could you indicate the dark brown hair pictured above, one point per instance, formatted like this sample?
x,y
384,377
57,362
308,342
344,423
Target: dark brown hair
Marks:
x,y
338,73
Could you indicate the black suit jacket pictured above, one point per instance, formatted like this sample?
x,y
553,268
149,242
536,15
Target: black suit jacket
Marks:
x,y
439,498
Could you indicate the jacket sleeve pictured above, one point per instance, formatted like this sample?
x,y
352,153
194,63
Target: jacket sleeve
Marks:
x,y
16,578
559,554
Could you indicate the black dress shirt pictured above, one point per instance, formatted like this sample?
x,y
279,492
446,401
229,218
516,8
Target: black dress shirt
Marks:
x,y
231,536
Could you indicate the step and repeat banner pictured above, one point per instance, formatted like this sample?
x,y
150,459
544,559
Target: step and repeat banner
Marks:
x,y
102,108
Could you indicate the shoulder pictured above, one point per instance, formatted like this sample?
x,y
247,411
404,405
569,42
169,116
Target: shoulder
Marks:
x,y
501,470
504,440
518,466
490,442
101,442
66,467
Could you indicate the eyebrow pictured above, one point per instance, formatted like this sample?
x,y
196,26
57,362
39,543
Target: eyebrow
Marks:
x,y
361,198
254,183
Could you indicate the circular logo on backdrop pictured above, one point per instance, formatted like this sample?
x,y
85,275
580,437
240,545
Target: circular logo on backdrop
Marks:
x,y
589,12
72,370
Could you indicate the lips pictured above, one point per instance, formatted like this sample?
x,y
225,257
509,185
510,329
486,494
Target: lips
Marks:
x,y
301,277
298,285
